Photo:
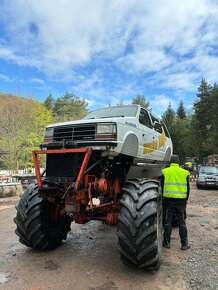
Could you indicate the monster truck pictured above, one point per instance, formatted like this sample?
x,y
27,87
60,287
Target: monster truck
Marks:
x,y
104,167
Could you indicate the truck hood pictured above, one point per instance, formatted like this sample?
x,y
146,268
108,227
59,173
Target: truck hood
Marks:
x,y
205,175
91,121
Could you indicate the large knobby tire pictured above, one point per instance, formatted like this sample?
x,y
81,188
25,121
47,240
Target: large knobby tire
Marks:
x,y
140,224
35,226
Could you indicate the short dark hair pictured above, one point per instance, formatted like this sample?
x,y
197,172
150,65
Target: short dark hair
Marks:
x,y
174,159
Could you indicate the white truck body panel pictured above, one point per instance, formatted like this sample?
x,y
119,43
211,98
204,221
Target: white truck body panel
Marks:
x,y
145,144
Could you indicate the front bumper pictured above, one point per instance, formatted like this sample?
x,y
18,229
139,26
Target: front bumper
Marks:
x,y
100,145
212,184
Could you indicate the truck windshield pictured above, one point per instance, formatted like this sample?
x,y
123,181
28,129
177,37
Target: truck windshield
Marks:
x,y
121,111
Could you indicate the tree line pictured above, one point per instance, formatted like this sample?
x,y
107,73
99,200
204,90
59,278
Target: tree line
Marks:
x,y
22,125
23,121
195,132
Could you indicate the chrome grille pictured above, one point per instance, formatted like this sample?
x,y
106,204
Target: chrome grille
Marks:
x,y
79,132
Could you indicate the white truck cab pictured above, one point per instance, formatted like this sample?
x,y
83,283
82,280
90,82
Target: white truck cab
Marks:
x,y
130,131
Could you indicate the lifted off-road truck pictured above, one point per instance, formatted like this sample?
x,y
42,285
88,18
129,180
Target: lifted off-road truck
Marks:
x,y
104,167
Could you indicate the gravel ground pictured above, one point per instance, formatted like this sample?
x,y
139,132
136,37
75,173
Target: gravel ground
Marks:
x,y
89,260
196,268
201,263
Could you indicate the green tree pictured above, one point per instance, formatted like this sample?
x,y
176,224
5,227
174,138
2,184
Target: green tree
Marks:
x,y
49,102
22,125
168,117
40,117
181,138
214,121
204,89
194,146
178,127
181,113
69,107
204,124
141,100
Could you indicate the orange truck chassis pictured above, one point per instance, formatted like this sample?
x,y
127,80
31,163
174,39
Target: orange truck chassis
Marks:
x,y
79,194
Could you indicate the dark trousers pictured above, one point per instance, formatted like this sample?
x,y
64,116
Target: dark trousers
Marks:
x,y
168,212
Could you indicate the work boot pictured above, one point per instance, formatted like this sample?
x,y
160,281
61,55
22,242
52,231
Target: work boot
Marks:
x,y
166,245
185,247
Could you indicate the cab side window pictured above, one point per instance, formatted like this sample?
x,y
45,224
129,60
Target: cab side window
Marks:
x,y
165,130
154,119
144,118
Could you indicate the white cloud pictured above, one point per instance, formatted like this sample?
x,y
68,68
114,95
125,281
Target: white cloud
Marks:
x,y
100,94
172,43
180,80
146,60
57,37
160,103
6,78
207,66
39,88
37,81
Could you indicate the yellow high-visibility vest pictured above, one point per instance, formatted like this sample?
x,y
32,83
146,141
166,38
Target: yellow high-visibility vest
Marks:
x,y
175,182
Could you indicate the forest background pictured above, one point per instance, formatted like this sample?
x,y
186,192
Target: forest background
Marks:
x,y
194,132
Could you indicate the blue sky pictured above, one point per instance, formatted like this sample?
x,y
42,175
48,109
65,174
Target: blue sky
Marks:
x,y
108,51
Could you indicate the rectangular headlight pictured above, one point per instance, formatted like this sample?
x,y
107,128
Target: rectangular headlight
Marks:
x,y
49,135
106,131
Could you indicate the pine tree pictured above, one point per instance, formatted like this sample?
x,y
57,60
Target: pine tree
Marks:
x,y
169,116
181,113
69,107
204,89
49,102
214,123
204,114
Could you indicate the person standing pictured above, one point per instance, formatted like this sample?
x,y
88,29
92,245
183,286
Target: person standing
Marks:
x,y
175,191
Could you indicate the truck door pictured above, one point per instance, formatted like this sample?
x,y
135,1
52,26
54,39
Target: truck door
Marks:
x,y
160,143
147,135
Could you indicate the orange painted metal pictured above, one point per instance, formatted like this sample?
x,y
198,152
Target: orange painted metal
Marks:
x,y
37,169
81,197
81,219
88,152
90,195
102,185
60,151
86,186
112,218
83,168
116,186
